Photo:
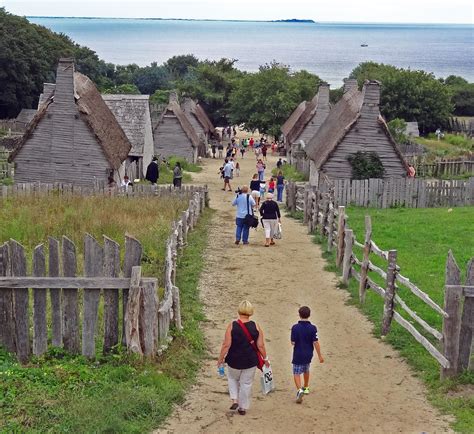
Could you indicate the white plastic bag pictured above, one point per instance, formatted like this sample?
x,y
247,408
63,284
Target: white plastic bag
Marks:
x,y
277,235
267,380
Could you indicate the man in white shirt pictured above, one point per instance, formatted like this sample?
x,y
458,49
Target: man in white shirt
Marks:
x,y
228,168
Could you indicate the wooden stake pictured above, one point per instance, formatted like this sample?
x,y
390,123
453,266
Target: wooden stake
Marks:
x,y
365,261
389,303
341,219
346,262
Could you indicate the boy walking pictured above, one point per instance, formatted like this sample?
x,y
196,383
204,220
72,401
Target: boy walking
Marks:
x,y
304,338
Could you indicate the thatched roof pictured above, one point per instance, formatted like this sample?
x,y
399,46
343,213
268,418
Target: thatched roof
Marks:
x,y
25,116
174,109
133,114
343,117
95,114
190,106
304,113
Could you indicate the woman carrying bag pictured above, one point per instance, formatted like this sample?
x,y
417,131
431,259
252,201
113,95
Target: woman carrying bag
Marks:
x,y
243,350
271,219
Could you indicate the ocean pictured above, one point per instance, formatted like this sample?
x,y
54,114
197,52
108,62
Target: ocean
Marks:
x,y
330,50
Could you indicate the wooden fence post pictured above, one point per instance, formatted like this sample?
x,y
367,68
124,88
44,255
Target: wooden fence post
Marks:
x,y
7,325
93,267
306,207
55,295
70,304
111,296
316,206
324,215
346,262
148,320
389,303
341,222
365,261
331,228
452,324
467,324
21,302
40,332
132,313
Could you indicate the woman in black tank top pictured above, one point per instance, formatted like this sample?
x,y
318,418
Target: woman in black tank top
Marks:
x,y
240,356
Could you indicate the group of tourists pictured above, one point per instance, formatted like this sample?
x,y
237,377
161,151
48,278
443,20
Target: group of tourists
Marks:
x,y
243,350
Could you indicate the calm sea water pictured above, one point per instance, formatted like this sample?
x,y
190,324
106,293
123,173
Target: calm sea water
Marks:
x,y
329,50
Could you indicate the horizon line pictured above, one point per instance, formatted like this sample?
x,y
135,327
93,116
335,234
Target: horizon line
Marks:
x,y
282,20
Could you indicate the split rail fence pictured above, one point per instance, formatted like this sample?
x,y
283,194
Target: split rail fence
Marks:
x,y
143,321
452,345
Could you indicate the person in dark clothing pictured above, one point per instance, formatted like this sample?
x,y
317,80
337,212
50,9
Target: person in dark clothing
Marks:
x,y
213,150
255,189
241,357
279,164
304,338
280,186
177,175
271,218
153,171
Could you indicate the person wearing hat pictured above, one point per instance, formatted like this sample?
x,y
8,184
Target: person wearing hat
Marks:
x,y
153,171
271,217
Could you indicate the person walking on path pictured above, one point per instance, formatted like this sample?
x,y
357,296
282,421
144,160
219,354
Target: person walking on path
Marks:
x,y
304,338
153,171
213,150
220,148
271,217
228,169
241,357
177,175
245,204
255,188
260,169
280,184
264,152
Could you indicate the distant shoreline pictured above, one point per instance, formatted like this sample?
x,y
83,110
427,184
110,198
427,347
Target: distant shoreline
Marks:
x,y
290,20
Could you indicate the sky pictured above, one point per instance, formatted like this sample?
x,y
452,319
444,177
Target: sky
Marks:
x,y
379,11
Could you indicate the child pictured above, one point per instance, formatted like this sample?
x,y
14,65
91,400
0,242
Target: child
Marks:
x,y
304,337
237,168
263,187
271,185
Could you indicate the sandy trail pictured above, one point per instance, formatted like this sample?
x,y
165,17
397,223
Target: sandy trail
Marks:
x,y
363,386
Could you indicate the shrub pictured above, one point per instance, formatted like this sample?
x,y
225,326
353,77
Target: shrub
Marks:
x,y
366,165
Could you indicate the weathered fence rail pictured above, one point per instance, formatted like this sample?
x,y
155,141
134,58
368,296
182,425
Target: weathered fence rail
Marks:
x,y
445,168
392,192
145,321
451,347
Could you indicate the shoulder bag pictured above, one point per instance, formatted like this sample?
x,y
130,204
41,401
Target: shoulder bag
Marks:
x,y
250,220
252,343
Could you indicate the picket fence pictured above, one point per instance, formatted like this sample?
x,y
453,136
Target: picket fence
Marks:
x,y
445,168
321,215
145,323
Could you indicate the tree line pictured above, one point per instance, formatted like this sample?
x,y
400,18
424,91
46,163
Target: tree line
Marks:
x,y
263,99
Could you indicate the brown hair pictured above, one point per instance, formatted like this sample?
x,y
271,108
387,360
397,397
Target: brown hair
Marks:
x,y
304,312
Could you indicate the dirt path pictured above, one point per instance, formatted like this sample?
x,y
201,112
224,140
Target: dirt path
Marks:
x,y
363,386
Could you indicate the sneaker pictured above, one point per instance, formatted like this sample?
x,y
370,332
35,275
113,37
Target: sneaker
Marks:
x,y
237,242
306,390
299,396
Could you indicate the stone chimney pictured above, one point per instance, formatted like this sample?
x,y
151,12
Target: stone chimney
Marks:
x,y
371,97
173,97
64,90
350,83
323,94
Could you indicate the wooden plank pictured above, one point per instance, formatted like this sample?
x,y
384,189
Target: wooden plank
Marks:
x,y
111,296
7,324
21,302
70,302
452,324
149,318
40,331
378,251
365,260
93,266
390,289
443,361
133,258
67,282
330,229
132,314
340,235
346,262
420,294
55,294
467,325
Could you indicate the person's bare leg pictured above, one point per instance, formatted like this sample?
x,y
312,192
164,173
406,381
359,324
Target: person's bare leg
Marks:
x,y
306,379
297,379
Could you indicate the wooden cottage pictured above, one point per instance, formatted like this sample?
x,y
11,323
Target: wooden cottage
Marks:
x,y
306,120
73,138
201,123
133,114
25,117
173,133
354,124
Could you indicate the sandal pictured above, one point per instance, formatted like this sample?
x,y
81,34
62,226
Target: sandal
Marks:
x,y
234,406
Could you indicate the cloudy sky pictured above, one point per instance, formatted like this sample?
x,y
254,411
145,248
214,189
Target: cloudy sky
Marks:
x,y
399,11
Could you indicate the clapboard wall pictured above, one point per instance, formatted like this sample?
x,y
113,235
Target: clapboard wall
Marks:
x,y
170,139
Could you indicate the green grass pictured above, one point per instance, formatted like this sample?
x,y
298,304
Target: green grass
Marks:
x,y
422,238
185,165
451,145
290,173
60,393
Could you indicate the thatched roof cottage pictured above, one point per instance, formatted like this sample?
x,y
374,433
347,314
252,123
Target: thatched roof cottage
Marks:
x,y
354,124
73,138
201,123
173,133
133,114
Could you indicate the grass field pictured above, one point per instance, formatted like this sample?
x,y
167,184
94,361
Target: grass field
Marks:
x,y
59,393
422,238
451,145
290,173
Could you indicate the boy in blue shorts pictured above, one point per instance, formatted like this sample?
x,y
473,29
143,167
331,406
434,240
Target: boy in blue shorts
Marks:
x,y
304,338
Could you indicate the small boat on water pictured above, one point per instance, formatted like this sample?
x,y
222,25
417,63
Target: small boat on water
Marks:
x,y
364,45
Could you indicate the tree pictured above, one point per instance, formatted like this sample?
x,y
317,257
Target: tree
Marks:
x,y
265,99
462,95
410,95
398,130
151,78
128,89
179,66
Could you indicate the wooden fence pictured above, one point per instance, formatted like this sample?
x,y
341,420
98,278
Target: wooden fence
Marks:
x,y
145,320
453,351
97,189
5,167
393,192
445,168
